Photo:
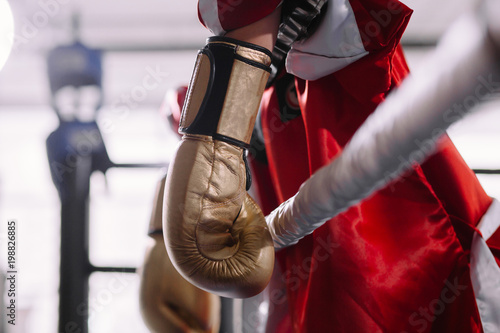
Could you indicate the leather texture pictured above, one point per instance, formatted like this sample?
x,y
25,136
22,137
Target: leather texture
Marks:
x,y
215,234
226,88
155,222
169,303
242,101
197,89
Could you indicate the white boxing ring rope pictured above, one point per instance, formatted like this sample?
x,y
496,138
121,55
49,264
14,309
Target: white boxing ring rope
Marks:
x,y
403,129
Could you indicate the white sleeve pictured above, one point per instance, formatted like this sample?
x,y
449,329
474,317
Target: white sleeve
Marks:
x,y
335,44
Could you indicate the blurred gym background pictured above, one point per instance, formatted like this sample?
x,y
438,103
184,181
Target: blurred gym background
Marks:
x,y
147,48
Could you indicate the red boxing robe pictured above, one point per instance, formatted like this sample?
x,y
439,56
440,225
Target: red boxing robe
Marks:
x,y
400,260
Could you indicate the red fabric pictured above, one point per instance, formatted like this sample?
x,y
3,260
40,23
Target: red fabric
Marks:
x,y
171,108
494,240
380,22
494,243
233,14
267,199
398,262
454,183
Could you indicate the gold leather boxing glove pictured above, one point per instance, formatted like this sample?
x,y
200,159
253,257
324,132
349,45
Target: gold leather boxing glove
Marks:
x,y
216,235
168,302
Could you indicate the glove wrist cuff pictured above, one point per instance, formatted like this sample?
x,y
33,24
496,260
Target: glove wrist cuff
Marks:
x,y
225,91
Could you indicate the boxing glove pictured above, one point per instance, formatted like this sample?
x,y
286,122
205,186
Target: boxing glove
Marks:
x,y
168,302
215,234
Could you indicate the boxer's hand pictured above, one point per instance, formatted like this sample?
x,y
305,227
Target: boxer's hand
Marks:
x,y
215,234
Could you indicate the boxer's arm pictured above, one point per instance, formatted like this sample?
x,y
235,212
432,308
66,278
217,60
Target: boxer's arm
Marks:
x,y
262,32
215,234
